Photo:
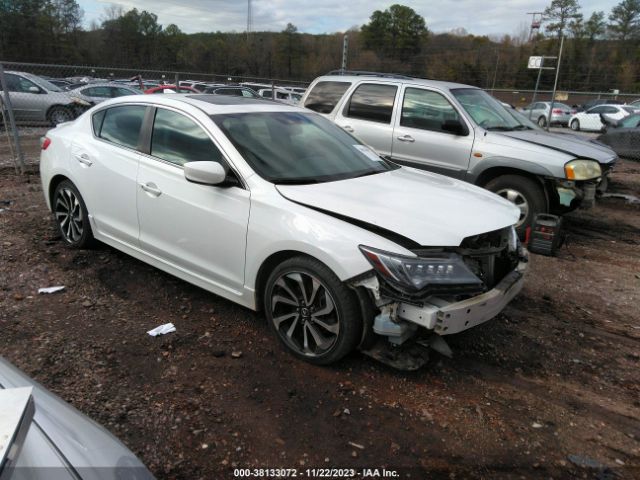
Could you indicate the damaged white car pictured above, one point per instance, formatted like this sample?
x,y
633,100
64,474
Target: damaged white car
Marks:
x,y
278,209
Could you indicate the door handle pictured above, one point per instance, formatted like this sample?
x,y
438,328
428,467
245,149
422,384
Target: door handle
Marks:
x,y
406,138
348,128
84,159
151,188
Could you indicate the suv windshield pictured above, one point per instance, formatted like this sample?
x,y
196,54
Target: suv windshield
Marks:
x,y
298,148
486,111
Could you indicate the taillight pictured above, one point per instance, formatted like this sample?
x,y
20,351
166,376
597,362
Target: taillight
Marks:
x,y
46,141
557,111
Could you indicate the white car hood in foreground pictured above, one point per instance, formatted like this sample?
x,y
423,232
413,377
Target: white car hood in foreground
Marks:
x,y
430,209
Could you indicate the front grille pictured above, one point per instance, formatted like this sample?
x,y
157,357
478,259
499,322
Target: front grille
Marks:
x,y
488,256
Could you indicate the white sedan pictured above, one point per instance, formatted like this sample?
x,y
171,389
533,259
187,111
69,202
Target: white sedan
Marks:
x,y
278,209
591,120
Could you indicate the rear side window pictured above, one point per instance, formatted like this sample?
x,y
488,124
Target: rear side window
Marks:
x,y
178,140
324,96
121,125
96,120
372,102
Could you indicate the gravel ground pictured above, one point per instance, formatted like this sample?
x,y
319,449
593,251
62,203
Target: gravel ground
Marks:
x,y
549,386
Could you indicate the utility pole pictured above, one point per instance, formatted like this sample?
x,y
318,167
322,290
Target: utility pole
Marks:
x,y
345,51
555,83
249,19
495,72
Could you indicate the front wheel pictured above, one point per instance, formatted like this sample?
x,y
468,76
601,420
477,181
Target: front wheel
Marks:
x,y
313,314
542,122
575,125
71,216
524,193
58,115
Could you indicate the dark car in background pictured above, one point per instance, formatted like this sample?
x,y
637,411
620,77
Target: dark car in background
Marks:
x,y
233,90
623,136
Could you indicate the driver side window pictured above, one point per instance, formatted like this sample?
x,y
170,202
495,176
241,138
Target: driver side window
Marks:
x,y
16,83
426,110
177,139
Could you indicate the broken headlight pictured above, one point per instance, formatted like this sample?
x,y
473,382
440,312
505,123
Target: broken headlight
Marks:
x,y
582,169
416,273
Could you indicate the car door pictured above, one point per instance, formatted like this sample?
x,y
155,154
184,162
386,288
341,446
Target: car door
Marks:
x,y
200,229
368,113
419,136
590,120
26,98
106,165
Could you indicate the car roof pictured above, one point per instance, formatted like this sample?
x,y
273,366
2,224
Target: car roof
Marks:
x,y
105,84
390,79
209,103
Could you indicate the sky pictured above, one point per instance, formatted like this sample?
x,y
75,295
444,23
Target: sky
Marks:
x,y
479,17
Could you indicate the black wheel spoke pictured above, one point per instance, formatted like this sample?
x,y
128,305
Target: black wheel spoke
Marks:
x,y
68,213
304,313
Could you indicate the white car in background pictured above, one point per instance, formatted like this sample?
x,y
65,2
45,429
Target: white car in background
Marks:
x,y
278,209
591,120
282,95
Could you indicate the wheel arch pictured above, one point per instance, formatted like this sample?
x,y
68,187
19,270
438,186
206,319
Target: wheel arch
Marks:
x,y
53,184
268,265
497,171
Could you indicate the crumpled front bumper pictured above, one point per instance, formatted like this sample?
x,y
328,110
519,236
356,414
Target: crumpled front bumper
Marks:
x,y
447,318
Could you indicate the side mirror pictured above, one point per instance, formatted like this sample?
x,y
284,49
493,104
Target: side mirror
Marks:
x,y
456,127
205,173
34,90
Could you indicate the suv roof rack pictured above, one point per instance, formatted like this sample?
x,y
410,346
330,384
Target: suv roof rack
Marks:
x,y
371,74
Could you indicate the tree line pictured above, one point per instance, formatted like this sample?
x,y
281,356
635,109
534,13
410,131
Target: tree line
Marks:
x,y
601,52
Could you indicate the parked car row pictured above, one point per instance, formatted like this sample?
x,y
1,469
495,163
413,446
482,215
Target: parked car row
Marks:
x,y
591,117
55,101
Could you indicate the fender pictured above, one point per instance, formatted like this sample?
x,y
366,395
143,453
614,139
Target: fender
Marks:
x,y
513,163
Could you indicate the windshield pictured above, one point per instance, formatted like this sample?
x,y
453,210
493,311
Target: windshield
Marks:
x,y
298,148
46,84
486,111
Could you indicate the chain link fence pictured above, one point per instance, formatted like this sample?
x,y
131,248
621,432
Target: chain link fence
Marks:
x,y
35,97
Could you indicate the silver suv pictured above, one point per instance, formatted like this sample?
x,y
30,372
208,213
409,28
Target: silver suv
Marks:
x,y
35,99
463,132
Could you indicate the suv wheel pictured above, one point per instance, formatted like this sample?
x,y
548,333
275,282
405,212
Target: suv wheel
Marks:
x,y
542,122
525,193
314,315
58,115
575,125
71,216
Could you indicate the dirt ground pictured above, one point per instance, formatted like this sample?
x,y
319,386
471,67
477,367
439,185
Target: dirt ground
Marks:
x,y
549,389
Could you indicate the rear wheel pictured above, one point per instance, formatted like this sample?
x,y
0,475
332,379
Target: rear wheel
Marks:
x,y
575,125
313,314
71,216
524,193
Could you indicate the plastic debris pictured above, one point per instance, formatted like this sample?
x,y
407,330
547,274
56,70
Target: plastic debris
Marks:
x,y
162,329
55,289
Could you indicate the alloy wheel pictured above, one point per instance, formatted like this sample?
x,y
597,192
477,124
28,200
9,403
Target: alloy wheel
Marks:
x,y
518,200
60,115
304,314
68,213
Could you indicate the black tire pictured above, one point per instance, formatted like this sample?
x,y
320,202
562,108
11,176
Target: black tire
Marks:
x,y
542,122
71,216
59,114
528,189
344,319
575,125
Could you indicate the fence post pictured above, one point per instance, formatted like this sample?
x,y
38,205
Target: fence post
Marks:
x,y
6,101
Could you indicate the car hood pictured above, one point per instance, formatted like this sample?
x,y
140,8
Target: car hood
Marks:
x,y
566,143
429,209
